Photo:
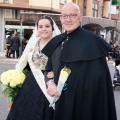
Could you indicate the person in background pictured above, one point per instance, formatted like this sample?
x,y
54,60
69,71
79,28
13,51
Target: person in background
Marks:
x,y
24,42
15,44
8,42
31,102
88,92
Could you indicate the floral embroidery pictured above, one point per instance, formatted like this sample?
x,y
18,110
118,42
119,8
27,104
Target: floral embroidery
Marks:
x,y
65,86
39,59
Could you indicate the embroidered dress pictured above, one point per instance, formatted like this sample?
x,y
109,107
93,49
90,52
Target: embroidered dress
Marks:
x,y
31,103
38,58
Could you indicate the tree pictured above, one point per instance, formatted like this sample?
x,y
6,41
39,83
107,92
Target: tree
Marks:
x,y
115,2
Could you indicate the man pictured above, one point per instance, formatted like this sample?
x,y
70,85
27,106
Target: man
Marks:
x,y
15,44
88,94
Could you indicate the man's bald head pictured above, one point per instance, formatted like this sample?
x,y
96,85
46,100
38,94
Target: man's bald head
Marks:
x,y
70,4
70,17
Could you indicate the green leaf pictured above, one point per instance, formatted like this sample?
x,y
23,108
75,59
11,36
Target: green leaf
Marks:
x,y
3,87
0,82
116,2
26,71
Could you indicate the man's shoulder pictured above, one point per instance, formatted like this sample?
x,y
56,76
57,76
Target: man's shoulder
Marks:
x,y
88,32
60,36
90,35
57,39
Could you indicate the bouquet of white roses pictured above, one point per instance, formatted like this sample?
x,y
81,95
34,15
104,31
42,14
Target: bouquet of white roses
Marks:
x,y
11,81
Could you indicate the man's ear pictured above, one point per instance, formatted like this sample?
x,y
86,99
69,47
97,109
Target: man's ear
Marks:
x,y
80,17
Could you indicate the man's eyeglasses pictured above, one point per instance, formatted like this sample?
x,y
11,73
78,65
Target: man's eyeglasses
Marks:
x,y
71,16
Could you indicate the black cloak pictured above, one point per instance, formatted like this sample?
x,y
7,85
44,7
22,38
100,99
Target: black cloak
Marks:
x,y
88,94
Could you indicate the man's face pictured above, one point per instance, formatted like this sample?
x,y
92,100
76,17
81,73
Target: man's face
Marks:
x,y
70,18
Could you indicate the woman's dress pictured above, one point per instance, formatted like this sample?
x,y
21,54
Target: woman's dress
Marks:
x,y
30,103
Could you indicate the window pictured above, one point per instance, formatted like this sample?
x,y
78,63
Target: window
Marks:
x,y
95,9
62,1
6,1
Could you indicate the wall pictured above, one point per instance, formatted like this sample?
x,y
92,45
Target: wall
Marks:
x,y
80,4
106,9
89,8
4,13
46,3
69,0
100,8
7,1
55,4
0,29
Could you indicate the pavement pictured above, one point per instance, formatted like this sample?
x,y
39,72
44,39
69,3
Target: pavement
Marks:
x,y
4,59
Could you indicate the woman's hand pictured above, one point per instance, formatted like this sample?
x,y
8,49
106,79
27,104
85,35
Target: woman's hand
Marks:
x,y
52,89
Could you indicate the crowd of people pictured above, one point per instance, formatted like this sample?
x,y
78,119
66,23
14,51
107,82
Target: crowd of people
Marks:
x,y
13,45
88,94
114,52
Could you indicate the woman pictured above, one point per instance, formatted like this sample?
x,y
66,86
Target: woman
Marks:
x,y
31,103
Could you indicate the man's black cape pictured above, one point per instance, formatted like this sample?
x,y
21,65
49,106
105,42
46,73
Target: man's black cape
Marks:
x,y
88,94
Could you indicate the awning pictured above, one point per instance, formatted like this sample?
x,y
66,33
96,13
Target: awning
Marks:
x,y
35,16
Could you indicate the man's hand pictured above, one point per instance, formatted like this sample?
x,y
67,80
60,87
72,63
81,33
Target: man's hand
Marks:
x,y
52,89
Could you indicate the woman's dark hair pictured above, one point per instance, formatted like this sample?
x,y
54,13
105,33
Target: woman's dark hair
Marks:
x,y
48,18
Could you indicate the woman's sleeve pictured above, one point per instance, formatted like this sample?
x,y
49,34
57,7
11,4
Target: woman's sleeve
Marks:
x,y
48,69
49,64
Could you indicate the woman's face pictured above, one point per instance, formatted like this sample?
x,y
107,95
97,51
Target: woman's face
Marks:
x,y
44,29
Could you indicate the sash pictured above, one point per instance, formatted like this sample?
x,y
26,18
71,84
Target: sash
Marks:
x,y
39,77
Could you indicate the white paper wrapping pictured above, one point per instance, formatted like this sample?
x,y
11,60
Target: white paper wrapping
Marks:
x,y
64,74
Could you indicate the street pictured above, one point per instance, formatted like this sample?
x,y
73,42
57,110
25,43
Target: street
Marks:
x,y
116,92
4,102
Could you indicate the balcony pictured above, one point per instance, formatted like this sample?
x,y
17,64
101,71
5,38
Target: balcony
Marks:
x,y
114,16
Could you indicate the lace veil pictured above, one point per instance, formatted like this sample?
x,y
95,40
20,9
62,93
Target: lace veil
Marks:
x,y
32,41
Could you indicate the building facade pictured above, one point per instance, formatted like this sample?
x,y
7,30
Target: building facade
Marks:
x,y
99,19
21,15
